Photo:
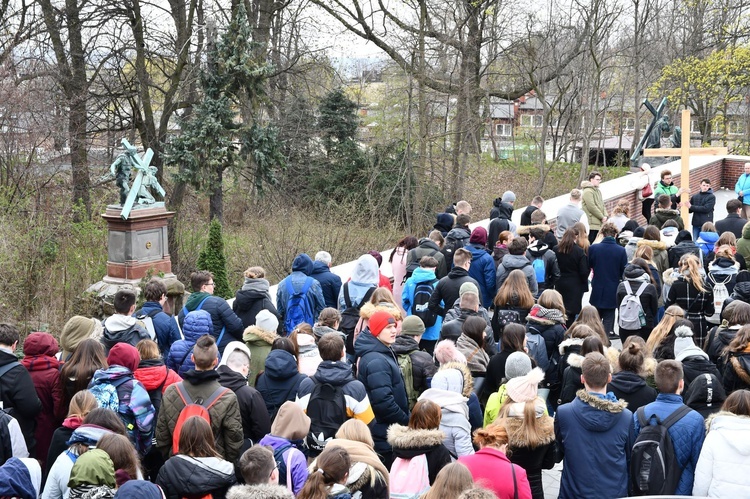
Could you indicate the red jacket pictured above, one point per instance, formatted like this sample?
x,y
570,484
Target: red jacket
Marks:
x,y
154,376
491,469
39,350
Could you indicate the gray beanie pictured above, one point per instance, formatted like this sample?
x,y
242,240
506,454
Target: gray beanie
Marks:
x,y
517,364
412,326
468,287
267,321
508,197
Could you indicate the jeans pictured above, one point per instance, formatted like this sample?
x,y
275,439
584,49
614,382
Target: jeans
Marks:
x,y
696,233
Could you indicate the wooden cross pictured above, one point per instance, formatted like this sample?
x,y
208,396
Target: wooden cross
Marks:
x,y
684,152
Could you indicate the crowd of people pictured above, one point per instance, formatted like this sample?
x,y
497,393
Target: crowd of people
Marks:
x,y
474,369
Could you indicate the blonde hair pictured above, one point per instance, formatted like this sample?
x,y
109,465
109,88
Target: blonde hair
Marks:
x,y
528,432
644,251
583,238
255,273
690,268
383,295
356,430
724,251
589,316
148,349
552,299
671,314
81,404
451,481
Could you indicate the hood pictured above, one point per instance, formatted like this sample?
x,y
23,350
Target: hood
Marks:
x,y
655,245
405,344
634,272
459,233
545,427
119,323
741,291
93,467
627,382
280,365
503,210
420,275
302,263
320,268
537,249
445,222
231,347
251,293
151,376
403,437
291,423
705,394
468,385
319,330
574,344
512,262
723,265
746,231
666,213
426,242
368,309
733,429
336,373
140,489
598,414
231,379
257,284
111,374
366,271
587,185
708,237
40,344
264,491
476,250
196,324
575,360
16,480
255,336
447,400
683,236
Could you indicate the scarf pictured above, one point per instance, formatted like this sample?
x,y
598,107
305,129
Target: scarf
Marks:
x,y
551,314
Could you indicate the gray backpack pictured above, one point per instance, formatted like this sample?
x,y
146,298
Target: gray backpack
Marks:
x,y
632,316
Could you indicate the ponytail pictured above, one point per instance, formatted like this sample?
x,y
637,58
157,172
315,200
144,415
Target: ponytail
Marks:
x,y
331,468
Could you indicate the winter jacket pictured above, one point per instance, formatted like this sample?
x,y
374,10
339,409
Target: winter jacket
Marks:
x,y
196,325
408,443
454,422
736,373
491,469
264,491
120,328
154,375
222,317
452,330
226,421
571,379
607,259
338,374
705,395
446,291
407,299
367,475
482,269
661,215
538,250
256,422
495,372
723,467
444,223
740,292
720,338
702,207
695,363
186,476
743,186
498,253
39,350
58,443
294,459
732,223
661,257
165,326
687,436
632,388
697,305
379,372
457,237
135,408
706,242
365,276
302,269
676,252
743,243
513,262
330,283
428,247
496,227
635,276
501,210
535,459
476,358
422,366
259,342
309,355
595,434
574,278
253,297
280,380
549,325
668,189
592,205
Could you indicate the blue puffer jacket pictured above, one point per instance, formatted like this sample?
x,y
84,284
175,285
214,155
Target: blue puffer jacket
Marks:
x,y
330,283
222,316
687,436
280,380
483,270
378,370
196,325
167,331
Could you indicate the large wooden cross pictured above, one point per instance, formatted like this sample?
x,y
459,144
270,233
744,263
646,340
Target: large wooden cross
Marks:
x,y
685,151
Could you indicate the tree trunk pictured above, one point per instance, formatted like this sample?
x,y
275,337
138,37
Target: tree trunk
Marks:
x,y
216,201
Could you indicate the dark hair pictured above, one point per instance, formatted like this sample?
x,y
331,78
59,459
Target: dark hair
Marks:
x,y
199,279
609,229
284,344
408,242
668,375
205,352
331,467
154,289
256,465
651,233
474,327
81,366
664,201
738,403
329,316
733,205
594,174
462,219
106,418
537,233
518,246
596,370
631,358
330,347
428,262
513,336
706,181
591,344
124,299
568,241
8,334
121,452
640,262
426,415
197,438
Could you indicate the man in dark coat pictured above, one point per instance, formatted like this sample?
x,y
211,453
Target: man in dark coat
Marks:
x,y
447,290
165,327
428,246
701,206
683,245
329,282
607,259
536,204
733,222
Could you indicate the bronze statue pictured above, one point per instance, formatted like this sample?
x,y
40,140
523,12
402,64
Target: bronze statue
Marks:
x,y
144,180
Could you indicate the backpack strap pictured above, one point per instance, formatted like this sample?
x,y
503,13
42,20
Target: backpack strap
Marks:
x,y
199,307
515,483
307,286
215,396
347,298
221,335
184,395
641,289
187,355
628,289
289,287
676,416
642,420
7,367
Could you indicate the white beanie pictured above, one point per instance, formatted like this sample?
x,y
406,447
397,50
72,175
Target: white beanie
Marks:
x,y
451,380
267,321
684,346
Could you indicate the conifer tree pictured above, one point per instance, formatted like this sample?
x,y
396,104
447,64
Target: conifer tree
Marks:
x,y
212,259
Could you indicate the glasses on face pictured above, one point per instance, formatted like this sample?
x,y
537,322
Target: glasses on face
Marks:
x,y
210,284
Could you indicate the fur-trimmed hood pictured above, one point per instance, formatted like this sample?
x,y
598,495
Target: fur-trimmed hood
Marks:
x,y
368,309
405,438
254,334
655,245
649,367
545,427
575,360
264,491
600,403
525,229
468,380
569,342
710,419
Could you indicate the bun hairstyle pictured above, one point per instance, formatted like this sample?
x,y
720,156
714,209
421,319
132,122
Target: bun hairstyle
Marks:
x,y
632,357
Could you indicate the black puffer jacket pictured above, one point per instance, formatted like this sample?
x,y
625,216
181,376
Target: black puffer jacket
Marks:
x,y
737,372
684,245
451,330
185,476
280,380
422,366
256,423
740,292
649,299
447,290
501,210
19,398
251,299
632,388
694,366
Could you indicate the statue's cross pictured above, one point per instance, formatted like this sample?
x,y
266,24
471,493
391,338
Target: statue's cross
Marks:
x,y
685,151
140,164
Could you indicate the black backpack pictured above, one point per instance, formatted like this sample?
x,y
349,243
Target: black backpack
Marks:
x,y
156,394
653,464
420,304
449,249
350,316
327,412
278,456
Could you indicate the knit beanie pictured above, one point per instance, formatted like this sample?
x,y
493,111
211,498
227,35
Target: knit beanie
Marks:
x,y
743,276
517,364
125,355
291,422
267,321
508,197
525,388
379,320
468,287
412,326
639,231
684,346
77,329
683,235
478,236
451,380
446,351
93,467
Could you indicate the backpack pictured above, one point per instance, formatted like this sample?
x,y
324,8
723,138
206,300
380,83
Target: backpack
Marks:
x,y
327,412
350,316
414,265
537,348
631,315
298,308
285,476
449,249
410,478
720,294
653,465
420,303
539,270
148,322
199,408
405,365
106,394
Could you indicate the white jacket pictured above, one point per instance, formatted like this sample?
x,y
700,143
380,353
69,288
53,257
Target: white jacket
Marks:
x,y
723,468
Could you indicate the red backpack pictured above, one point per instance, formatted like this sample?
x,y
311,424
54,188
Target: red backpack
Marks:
x,y
192,409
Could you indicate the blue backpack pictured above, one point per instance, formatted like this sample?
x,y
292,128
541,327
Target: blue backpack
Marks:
x,y
298,309
539,270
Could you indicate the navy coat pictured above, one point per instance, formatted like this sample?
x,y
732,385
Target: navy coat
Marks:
x,y
167,331
607,259
329,282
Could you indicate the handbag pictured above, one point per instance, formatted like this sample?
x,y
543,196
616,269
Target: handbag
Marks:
x,y
647,191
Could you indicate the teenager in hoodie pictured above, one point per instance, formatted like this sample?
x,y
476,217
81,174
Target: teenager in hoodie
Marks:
x,y
422,364
639,279
482,267
424,273
502,207
289,428
253,297
516,259
197,323
500,218
447,392
165,326
628,383
444,223
448,288
281,378
695,361
664,213
683,245
705,395
365,277
122,327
